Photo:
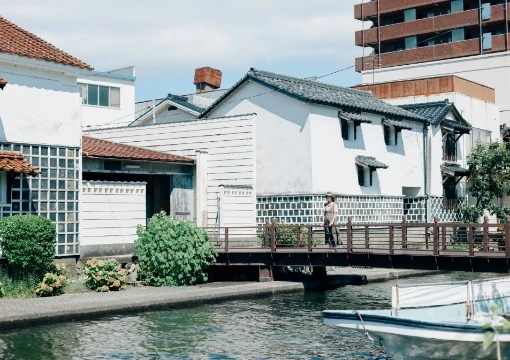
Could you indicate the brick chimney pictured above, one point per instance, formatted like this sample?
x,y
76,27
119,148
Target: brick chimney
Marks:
x,y
207,79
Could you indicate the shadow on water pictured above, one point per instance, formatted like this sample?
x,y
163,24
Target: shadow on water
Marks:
x,y
277,327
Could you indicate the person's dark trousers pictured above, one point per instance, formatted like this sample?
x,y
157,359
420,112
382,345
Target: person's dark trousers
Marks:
x,y
328,234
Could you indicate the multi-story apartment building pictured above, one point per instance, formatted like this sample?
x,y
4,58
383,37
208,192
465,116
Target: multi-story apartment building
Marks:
x,y
428,38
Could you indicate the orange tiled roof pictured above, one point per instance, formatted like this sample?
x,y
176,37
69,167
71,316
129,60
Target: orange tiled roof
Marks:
x,y
97,148
14,161
17,41
3,82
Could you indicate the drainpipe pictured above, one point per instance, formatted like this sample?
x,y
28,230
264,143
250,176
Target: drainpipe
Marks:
x,y
480,23
425,170
425,180
506,25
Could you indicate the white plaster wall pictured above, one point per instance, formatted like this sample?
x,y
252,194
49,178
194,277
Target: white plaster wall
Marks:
x,y
99,115
333,159
492,70
229,142
284,161
111,211
39,107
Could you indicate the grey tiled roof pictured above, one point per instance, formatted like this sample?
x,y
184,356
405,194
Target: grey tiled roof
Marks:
x,y
176,99
319,93
434,112
353,116
370,162
456,126
454,170
183,101
396,123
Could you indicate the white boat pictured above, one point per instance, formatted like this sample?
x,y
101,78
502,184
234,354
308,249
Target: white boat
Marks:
x,y
432,321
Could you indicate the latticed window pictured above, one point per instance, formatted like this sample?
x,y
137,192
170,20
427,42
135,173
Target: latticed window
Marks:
x,y
345,129
361,175
450,194
449,147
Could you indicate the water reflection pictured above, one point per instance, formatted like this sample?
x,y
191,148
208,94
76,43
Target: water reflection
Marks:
x,y
280,327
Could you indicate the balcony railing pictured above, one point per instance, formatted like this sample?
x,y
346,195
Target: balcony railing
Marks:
x,y
387,6
430,53
430,25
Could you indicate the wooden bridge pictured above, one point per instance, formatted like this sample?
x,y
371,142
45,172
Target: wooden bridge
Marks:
x,y
480,247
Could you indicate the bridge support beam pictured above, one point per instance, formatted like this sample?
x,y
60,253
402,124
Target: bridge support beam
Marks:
x,y
265,273
319,272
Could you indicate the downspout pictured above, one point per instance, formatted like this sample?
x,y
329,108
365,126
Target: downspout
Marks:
x,y
425,180
506,25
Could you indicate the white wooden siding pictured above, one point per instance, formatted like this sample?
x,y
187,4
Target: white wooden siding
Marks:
x,y
229,142
111,211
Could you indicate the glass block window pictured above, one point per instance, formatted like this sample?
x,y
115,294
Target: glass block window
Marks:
x,y
52,194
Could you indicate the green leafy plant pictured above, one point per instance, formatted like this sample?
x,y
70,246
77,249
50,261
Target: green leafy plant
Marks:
x,y
28,244
287,237
173,253
17,288
105,275
489,180
51,285
494,324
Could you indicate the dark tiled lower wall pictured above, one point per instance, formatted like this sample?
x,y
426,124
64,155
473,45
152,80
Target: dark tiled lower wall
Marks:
x,y
307,209
52,194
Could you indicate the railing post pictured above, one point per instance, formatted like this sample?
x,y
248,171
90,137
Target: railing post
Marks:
x,y
471,241
298,236
266,234
349,234
226,239
367,238
391,239
485,239
310,238
436,236
443,237
507,237
273,235
404,232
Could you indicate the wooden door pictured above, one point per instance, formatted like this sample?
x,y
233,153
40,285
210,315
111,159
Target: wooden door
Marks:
x,y
181,197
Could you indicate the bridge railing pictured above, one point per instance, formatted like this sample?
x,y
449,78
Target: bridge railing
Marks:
x,y
435,237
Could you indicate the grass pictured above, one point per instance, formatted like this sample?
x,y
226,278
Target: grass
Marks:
x,y
75,286
25,288
459,248
18,289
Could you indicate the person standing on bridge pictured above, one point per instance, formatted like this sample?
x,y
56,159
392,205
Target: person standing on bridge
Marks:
x,y
329,221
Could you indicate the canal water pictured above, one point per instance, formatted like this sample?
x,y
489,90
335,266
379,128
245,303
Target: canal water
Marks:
x,y
279,327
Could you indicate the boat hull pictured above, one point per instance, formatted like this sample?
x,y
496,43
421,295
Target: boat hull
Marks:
x,y
411,339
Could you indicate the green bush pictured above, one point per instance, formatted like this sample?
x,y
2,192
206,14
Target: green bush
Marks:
x,y
28,244
287,237
51,285
105,275
173,253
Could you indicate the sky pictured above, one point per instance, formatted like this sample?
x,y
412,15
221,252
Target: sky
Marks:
x,y
167,40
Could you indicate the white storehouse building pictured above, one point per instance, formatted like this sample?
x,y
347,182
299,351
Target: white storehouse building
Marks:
x,y
308,138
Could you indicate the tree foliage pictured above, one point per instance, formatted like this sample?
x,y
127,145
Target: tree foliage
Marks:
x,y
173,253
287,237
489,165
28,244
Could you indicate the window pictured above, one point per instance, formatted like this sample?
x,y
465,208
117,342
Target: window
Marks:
x,y
3,187
345,129
449,147
450,194
387,134
361,175
98,95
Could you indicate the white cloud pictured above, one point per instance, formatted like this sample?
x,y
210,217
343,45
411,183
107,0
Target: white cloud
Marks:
x,y
170,36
